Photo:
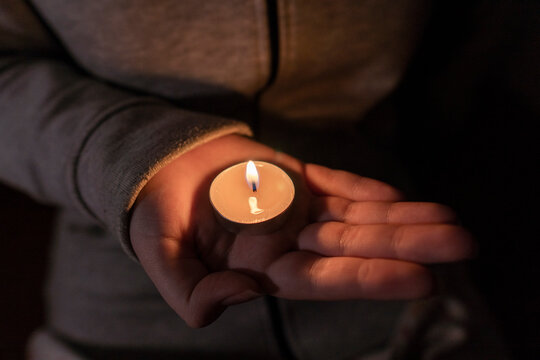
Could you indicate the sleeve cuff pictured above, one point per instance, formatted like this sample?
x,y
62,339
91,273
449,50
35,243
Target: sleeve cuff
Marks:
x,y
130,145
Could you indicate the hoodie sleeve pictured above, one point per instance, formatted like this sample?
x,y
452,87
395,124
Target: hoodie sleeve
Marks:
x,y
71,140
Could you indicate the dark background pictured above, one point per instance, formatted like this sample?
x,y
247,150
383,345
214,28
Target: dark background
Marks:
x,y
468,107
25,231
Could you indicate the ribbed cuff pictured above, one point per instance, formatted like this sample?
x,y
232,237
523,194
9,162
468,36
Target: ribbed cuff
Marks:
x,y
128,147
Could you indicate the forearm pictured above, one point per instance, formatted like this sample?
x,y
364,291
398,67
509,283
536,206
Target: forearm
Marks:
x,y
74,141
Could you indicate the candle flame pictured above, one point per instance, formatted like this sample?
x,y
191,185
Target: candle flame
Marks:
x,y
252,176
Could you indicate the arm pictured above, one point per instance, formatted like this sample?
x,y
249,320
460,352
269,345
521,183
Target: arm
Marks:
x,y
71,140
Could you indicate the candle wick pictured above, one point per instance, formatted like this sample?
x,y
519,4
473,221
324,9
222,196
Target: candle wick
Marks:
x,y
254,187
253,206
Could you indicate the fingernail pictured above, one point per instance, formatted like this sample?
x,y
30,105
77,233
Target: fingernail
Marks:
x,y
240,298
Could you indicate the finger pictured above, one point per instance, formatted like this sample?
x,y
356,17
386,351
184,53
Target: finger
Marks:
x,y
419,243
198,296
330,208
307,276
325,181
214,292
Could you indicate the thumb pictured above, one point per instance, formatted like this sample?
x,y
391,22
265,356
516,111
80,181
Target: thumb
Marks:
x,y
214,293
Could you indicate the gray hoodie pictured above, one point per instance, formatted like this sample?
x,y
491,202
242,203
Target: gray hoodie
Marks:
x,y
96,96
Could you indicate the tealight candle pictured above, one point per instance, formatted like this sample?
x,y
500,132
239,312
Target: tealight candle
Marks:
x,y
252,197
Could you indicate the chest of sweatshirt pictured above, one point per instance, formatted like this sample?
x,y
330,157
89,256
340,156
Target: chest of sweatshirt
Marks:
x,y
299,59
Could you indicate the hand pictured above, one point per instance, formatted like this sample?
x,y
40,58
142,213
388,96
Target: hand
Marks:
x,y
348,237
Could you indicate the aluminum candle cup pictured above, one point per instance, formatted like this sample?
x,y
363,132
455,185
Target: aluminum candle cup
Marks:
x,y
252,197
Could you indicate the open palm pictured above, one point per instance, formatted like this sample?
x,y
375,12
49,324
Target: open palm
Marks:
x,y
348,237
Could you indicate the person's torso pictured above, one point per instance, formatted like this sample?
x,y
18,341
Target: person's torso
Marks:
x,y
309,61
305,63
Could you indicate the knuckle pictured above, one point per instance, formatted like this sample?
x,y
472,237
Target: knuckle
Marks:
x,y
343,239
389,213
348,211
357,187
313,276
396,240
365,273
